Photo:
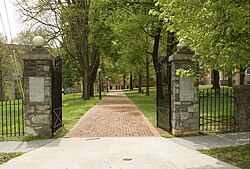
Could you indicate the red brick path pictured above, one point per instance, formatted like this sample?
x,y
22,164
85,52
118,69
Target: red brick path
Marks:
x,y
114,116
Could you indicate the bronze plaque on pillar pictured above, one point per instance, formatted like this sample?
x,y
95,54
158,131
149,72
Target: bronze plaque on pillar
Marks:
x,y
186,89
36,89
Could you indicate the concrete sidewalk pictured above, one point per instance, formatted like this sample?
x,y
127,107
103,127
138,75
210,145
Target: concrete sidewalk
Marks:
x,y
117,116
194,143
213,141
114,153
18,146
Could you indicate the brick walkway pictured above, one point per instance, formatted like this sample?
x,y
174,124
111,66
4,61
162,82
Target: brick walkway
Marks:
x,y
114,116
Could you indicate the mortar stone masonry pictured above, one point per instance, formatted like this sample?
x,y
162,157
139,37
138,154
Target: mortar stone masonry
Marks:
x,y
38,112
242,107
184,105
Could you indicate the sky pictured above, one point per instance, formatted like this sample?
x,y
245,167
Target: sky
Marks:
x,y
15,24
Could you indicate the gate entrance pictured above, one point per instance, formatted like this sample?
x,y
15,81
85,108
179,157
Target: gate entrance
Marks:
x,y
163,103
57,94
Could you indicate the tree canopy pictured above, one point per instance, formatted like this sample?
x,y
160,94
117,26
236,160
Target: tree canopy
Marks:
x,y
124,37
217,30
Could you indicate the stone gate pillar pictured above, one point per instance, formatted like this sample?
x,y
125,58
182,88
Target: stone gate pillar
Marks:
x,y
242,107
37,90
184,95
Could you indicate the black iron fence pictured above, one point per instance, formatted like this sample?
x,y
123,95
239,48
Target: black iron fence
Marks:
x,y
11,118
217,112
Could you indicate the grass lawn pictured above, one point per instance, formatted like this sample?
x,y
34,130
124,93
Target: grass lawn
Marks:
x,y
210,86
147,104
74,107
4,157
235,155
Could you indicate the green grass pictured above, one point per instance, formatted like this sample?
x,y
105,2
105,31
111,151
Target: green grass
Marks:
x,y
74,107
23,138
235,155
147,104
210,86
4,157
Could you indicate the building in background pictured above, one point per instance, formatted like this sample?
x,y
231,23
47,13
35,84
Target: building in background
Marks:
x,y
208,79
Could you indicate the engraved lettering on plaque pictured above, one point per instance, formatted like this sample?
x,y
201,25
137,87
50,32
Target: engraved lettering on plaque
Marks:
x,y
36,89
186,89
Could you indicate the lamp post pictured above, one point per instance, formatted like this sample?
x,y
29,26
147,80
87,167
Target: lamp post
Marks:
x,y
100,83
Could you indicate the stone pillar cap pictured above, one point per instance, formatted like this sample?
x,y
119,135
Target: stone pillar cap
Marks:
x,y
38,54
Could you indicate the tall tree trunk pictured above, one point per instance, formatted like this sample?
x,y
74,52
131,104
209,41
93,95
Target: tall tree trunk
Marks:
x,y
91,90
79,32
216,81
230,81
155,62
86,50
170,44
95,60
131,82
140,82
124,81
155,50
147,77
83,85
86,85
242,75
86,73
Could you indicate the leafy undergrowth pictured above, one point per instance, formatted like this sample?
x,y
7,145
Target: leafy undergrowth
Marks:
x,y
4,157
235,155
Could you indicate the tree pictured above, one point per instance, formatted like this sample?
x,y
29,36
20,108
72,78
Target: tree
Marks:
x,y
133,26
218,30
67,23
70,75
216,80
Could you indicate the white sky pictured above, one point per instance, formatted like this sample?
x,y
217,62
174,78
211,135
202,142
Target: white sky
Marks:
x,y
15,25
